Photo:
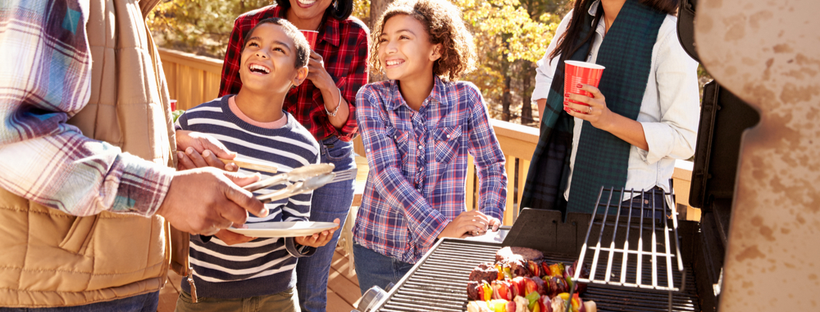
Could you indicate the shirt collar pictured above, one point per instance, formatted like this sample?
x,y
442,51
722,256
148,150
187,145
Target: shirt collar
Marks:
x,y
331,28
593,9
436,95
331,34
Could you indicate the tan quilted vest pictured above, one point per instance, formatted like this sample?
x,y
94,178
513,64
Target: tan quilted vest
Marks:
x,y
49,258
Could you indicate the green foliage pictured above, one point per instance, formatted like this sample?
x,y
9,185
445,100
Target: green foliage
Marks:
x,y
361,10
510,36
175,114
505,31
198,26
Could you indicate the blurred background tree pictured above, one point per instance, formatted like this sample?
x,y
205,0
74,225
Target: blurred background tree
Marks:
x,y
198,26
510,36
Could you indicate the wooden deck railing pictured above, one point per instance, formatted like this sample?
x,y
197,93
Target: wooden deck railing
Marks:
x,y
195,79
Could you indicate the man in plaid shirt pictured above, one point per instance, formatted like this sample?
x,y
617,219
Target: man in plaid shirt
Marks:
x,y
51,168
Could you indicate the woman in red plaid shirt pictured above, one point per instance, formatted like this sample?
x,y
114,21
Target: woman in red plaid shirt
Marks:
x,y
324,105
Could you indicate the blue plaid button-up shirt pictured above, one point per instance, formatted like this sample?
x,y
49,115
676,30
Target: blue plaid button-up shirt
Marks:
x,y
46,80
418,165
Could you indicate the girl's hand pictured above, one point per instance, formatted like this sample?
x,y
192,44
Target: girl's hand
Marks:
x,y
494,224
467,223
318,239
232,238
597,113
318,74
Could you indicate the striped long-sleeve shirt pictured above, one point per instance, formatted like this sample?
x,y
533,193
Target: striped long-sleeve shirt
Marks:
x,y
45,80
263,266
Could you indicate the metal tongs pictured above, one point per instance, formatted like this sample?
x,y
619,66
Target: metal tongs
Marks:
x,y
300,180
298,187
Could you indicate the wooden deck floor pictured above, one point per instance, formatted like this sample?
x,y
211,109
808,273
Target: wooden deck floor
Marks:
x,y
342,287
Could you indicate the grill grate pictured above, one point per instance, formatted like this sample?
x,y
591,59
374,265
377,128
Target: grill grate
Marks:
x,y
657,242
438,282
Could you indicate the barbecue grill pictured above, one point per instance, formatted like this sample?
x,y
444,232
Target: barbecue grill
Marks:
x,y
645,280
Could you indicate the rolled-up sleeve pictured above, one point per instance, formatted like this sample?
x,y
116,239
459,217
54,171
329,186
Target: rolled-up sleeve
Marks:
x,y
489,159
675,134
46,160
349,85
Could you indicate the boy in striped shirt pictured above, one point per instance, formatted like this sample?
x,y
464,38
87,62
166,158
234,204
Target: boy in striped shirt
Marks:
x,y
234,272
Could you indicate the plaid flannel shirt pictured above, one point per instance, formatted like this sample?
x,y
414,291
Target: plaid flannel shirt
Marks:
x,y
344,47
418,165
46,81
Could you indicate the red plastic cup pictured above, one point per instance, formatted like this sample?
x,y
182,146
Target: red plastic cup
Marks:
x,y
173,105
311,36
576,72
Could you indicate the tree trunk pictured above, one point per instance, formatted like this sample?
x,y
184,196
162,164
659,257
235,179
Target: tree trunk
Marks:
x,y
506,98
377,8
526,94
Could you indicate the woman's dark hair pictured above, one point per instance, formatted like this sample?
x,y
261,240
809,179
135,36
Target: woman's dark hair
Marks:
x,y
301,46
339,9
568,44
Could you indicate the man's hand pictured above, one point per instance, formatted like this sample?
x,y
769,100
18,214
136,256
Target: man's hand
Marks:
x,y
202,150
466,223
318,239
232,238
202,201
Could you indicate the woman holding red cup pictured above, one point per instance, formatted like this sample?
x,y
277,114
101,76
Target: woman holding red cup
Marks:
x,y
324,105
626,131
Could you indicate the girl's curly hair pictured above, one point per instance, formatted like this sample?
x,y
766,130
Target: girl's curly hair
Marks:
x,y
444,26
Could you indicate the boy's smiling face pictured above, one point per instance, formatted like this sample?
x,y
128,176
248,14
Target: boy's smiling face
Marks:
x,y
268,61
405,51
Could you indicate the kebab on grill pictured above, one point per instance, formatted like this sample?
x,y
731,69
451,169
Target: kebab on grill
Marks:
x,y
486,271
519,253
553,279
522,273
533,303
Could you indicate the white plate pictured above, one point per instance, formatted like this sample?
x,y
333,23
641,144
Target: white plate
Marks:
x,y
283,229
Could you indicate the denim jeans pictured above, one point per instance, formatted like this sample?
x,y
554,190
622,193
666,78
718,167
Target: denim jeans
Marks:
x,y
329,202
140,303
647,202
375,269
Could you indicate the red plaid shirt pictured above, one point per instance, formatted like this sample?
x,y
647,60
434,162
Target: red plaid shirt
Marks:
x,y
344,47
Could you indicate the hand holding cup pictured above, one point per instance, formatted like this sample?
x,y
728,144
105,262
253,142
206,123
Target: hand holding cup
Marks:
x,y
577,73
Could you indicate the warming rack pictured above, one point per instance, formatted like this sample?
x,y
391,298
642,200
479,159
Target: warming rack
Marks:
x,y
656,228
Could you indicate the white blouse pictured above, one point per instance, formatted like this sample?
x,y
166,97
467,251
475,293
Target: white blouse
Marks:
x,y
669,113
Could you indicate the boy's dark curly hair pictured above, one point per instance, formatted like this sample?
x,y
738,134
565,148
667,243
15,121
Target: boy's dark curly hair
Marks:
x,y
444,26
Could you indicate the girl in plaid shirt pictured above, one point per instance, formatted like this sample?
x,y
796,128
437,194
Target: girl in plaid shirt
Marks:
x,y
418,128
